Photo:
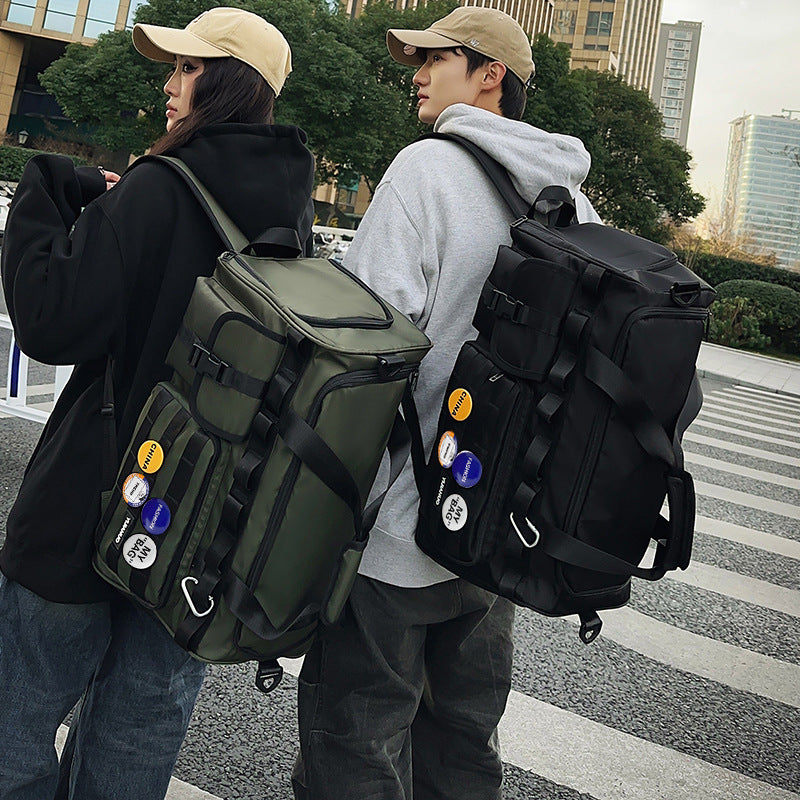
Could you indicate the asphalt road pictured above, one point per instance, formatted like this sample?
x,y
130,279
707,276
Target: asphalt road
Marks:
x,y
692,691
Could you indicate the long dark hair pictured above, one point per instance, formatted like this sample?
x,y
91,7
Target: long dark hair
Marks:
x,y
227,90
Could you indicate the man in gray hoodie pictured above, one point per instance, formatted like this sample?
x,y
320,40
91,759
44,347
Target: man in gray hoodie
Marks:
x,y
403,700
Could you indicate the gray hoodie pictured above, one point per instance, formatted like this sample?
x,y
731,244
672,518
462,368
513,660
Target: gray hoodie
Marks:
x,y
427,244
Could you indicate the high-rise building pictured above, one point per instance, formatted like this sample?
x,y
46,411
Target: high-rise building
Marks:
x,y
33,34
673,79
535,16
762,186
617,36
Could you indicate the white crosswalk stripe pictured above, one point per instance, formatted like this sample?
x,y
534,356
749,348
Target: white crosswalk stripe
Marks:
x,y
748,702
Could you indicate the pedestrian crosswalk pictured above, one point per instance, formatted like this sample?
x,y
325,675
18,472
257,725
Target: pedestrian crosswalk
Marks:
x,y
692,691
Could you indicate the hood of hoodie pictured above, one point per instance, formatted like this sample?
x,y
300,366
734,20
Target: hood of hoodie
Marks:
x,y
224,158
533,158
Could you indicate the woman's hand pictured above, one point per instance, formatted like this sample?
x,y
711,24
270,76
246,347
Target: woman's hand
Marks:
x,y
111,177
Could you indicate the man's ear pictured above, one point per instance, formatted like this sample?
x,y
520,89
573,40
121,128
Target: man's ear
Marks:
x,y
493,74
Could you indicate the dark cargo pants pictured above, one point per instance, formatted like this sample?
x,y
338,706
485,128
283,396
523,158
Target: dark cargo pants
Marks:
x,y
403,699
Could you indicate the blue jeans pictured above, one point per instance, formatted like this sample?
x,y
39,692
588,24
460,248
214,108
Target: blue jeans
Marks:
x,y
136,689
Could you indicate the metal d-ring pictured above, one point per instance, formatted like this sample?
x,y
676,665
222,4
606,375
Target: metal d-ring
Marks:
x,y
533,528
188,596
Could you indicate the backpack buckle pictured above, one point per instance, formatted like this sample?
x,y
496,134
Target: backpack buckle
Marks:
x,y
506,307
268,676
205,362
390,365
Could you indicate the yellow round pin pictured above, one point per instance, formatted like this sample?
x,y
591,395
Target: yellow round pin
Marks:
x,y
460,404
150,456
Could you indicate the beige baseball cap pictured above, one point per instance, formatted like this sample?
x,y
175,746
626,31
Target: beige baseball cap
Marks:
x,y
218,33
488,31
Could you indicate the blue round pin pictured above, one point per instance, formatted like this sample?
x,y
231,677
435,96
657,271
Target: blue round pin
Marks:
x,y
467,469
155,516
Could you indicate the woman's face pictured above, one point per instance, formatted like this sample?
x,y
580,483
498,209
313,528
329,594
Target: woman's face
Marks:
x,y
179,88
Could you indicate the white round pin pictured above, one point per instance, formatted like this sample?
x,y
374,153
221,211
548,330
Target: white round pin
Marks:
x,y
448,448
454,512
139,551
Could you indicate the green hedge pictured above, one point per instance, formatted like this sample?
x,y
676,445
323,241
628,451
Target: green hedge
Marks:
x,y
781,307
736,322
14,159
718,269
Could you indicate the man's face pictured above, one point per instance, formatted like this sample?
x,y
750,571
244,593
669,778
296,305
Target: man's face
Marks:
x,y
442,80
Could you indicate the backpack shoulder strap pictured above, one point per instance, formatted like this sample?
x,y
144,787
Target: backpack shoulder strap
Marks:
x,y
558,207
497,172
230,234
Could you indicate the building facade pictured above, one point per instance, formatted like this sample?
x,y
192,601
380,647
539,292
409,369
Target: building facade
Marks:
x,y
535,16
762,186
33,34
673,79
617,36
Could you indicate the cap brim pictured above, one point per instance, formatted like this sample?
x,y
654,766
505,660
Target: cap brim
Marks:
x,y
398,41
163,44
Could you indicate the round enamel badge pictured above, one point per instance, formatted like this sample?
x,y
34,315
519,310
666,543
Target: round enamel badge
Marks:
x,y
454,512
139,551
135,489
155,516
150,456
467,469
459,404
448,447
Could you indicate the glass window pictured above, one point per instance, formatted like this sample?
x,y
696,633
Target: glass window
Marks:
x,y
564,22
60,15
598,23
21,12
131,12
680,35
101,16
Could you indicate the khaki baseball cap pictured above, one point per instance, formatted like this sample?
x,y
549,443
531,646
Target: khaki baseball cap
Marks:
x,y
218,33
488,31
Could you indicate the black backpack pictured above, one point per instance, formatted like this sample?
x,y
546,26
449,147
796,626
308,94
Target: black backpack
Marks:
x,y
560,432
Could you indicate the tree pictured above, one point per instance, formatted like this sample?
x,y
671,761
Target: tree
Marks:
x,y
639,180
345,91
112,88
357,105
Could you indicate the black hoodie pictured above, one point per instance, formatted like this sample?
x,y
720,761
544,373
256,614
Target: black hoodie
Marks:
x,y
116,279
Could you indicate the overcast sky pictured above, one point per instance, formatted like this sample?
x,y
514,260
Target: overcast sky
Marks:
x,y
749,63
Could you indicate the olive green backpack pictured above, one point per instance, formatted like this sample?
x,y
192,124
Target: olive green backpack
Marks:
x,y
237,515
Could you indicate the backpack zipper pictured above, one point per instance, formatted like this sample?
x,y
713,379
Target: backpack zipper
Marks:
x,y
345,380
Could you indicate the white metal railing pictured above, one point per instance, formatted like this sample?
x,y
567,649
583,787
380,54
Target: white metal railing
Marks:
x,y
15,399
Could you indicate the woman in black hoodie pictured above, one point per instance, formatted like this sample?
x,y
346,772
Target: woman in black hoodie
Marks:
x,y
115,278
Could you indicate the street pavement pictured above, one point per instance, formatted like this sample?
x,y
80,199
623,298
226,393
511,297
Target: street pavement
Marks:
x,y
691,692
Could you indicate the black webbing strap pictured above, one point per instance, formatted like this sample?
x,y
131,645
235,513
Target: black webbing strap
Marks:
x,y
569,550
204,361
554,207
411,415
315,453
633,408
245,606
